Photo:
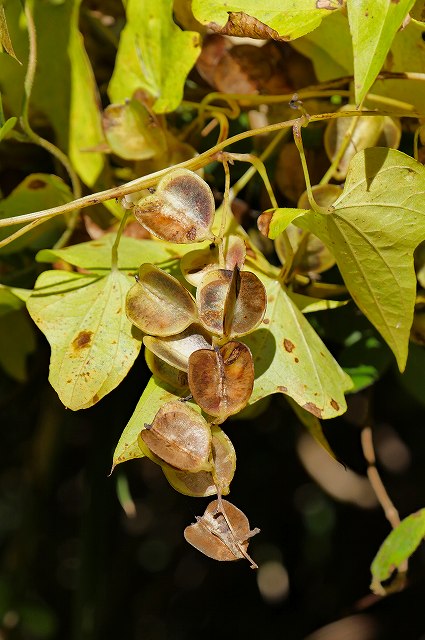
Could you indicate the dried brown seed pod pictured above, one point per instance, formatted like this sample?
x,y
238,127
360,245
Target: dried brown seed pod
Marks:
x,y
221,380
176,350
179,436
166,372
222,533
195,264
158,304
181,210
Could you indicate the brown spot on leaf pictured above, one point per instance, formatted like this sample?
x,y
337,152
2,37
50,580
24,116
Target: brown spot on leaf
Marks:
x,y
95,398
37,184
242,25
82,340
334,404
288,345
296,360
266,321
282,389
312,408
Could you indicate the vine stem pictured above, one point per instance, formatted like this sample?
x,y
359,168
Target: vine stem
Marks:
x,y
381,493
114,252
299,143
226,207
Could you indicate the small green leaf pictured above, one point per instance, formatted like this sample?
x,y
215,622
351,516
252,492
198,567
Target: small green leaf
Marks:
x,y
365,360
274,221
290,358
154,54
83,318
269,19
17,341
373,231
373,26
152,399
8,126
397,547
307,304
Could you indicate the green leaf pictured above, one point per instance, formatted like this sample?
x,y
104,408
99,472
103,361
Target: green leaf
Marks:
x,y
373,26
365,360
36,192
329,62
17,341
279,219
373,231
307,304
397,547
83,319
274,19
154,54
290,358
95,256
5,40
152,399
8,126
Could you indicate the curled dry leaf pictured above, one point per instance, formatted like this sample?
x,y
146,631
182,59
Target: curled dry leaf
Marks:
x,y
231,303
206,483
222,533
182,209
165,372
381,131
221,380
158,304
176,350
195,264
180,436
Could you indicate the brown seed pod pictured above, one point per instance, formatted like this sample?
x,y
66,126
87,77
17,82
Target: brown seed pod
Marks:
x,y
222,533
231,303
195,264
221,380
158,304
179,436
165,372
182,209
206,483
176,350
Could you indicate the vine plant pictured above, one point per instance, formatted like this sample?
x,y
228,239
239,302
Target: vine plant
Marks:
x,y
222,325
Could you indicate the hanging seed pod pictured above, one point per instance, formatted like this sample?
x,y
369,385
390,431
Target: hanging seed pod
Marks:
x,y
222,533
165,372
179,436
221,380
231,303
181,210
206,483
176,350
158,304
195,264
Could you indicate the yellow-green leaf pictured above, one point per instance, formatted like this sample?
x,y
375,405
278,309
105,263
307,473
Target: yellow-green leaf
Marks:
x,y
274,19
373,26
373,230
152,399
83,318
397,547
290,358
154,54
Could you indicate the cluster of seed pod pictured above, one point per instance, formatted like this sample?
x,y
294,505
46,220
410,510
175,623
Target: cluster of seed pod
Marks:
x,y
191,342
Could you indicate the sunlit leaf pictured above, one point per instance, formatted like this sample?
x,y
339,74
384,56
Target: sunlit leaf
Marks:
x,y
373,231
176,349
270,19
158,304
151,400
205,483
221,380
373,27
36,192
290,358
308,304
180,436
396,548
222,533
83,318
181,210
154,54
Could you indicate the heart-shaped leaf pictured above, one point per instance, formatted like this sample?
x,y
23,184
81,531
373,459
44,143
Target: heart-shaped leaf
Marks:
x,y
91,340
158,304
181,210
222,533
221,380
180,436
373,230
206,483
230,303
